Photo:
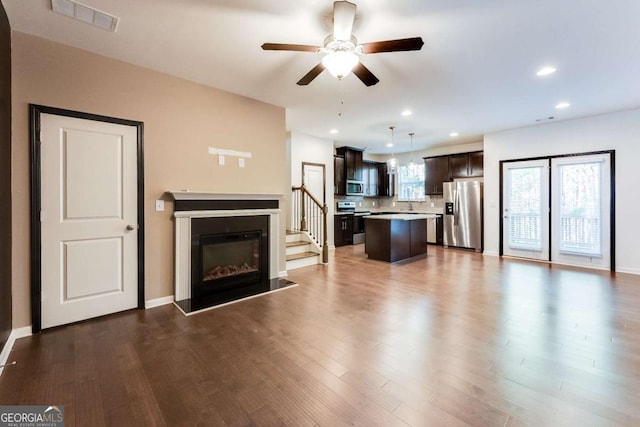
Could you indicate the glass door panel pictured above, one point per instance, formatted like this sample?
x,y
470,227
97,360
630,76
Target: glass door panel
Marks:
x,y
525,193
580,210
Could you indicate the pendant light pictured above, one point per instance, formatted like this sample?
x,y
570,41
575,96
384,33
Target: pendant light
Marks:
x,y
411,163
392,162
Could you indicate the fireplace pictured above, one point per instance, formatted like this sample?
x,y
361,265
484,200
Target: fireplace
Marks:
x,y
227,248
229,258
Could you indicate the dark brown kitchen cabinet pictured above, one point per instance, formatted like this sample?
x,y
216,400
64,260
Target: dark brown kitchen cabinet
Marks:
x,y
339,182
370,178
385,181
436,171
353,162
476,164
459,165
466,165
342,230
418,237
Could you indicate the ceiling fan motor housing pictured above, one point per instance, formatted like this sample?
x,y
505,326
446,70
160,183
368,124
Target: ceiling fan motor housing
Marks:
x,y
331,44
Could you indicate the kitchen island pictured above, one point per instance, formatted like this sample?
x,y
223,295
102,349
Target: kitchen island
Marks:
x,y
394,237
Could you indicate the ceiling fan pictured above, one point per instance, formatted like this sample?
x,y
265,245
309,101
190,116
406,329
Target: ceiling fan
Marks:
x,y
342,48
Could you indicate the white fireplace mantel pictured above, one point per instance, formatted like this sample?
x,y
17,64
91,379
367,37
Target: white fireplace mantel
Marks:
x,y
203,195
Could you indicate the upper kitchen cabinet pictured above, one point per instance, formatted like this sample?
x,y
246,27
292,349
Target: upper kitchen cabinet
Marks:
x,y
385,181
466,165
476,164
370,178
436,171
339,181
459,165
353,162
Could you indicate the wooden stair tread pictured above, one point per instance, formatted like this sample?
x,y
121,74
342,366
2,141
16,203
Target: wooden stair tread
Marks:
x,y
297,243
301,255
290,232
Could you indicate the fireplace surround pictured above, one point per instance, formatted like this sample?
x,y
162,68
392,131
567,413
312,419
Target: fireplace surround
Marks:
x,y
227,247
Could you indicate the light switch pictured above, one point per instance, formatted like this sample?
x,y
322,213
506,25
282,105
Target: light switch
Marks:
x,y
221,160
241,162
159,205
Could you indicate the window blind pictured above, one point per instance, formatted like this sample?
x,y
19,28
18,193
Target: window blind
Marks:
x,y
525,208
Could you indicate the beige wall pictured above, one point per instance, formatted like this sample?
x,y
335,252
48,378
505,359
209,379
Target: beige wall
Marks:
x,y
181,120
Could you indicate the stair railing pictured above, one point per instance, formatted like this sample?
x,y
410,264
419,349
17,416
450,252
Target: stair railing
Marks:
x,y
311,216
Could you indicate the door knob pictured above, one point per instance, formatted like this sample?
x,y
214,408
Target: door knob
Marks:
x,y
131,227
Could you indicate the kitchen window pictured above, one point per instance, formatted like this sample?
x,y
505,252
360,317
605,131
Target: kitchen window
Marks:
x,y
411,182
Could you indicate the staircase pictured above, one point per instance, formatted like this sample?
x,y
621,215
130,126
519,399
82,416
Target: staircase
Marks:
x,y
307,240
301,251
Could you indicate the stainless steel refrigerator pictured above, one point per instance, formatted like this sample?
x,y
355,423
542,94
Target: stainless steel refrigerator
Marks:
x,y
463,214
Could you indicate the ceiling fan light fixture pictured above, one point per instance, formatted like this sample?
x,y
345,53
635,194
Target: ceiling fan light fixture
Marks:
x,y
340,63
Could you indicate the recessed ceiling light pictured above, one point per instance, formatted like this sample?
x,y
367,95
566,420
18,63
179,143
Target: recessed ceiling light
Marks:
x,y
389,145
333,131
561,105
545,71
407,113
453,134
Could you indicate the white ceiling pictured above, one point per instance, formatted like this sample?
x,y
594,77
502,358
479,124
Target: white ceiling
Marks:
x,y
474,75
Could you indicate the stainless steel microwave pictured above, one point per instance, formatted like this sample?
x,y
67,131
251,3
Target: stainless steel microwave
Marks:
x,y
355,188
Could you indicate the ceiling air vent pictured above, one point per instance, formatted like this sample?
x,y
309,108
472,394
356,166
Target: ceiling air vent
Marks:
x,y
86,14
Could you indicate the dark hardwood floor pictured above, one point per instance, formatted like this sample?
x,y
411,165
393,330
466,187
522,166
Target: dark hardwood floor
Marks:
x,y
451,339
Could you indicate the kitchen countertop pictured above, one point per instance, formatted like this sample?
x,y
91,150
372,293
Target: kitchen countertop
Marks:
x,y
402,216
439,211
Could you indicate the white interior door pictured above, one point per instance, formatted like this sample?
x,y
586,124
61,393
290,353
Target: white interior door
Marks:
x,y
313,178
525,197
89,219
580,207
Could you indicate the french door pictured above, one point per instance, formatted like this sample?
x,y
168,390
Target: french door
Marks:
x,y
525,219
580,206
558,209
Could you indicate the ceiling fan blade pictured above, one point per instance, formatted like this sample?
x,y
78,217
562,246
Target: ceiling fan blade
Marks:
x,y
344,13
414,43
293,47
308,78
365,75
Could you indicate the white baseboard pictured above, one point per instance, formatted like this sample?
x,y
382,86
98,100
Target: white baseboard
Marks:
x,y
13,336
283,274
157,302
488,253
627,270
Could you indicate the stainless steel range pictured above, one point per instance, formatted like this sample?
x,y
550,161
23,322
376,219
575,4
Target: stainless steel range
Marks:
x,y
358,219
